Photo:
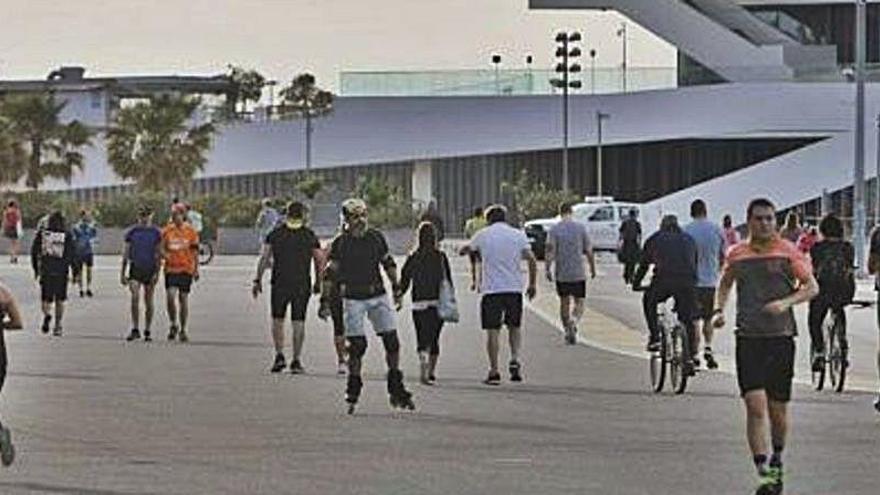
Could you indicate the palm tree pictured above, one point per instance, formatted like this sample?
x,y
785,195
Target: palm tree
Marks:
x,y
52,148
157,145
247,86
303,98
13,157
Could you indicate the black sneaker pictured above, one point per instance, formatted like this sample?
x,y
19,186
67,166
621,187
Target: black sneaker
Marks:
x,y
183,337
89,293
147,336
710,359
818,362
296,367
172,332
877,405
696,362
515,371
134,335
493,379
46,321
82,294
279,364
7,450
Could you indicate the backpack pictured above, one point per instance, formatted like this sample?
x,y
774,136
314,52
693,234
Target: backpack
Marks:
x,y
834,271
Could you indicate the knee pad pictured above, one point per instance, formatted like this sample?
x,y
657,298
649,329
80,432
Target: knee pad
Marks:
x,y
357,347
391,342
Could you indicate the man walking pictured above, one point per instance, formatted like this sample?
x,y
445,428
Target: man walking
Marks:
x,y
710,243
84,234
140,270
567,244
629,245
771,277
355,258
180,250
52,255
290,248
267,220
501,249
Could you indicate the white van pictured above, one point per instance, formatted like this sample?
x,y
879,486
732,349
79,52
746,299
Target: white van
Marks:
x,y
601,215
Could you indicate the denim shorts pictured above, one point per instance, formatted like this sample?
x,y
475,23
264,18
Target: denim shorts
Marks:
x,y
377,309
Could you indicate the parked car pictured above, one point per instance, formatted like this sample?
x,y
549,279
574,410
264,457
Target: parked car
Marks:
x,y
602,217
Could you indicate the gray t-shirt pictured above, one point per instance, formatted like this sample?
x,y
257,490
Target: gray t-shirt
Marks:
x,y
570,242
709,239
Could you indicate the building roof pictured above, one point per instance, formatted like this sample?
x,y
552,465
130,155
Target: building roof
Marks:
x,y
73,79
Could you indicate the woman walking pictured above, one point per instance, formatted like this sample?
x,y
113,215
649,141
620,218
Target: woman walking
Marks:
x,y
426,268
12,229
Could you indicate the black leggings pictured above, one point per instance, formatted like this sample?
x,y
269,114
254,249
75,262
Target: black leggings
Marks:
x,y
819,307
428,327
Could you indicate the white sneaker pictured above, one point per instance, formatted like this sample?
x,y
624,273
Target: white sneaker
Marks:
x,y
342,368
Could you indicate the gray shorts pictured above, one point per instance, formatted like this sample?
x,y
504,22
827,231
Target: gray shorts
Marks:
x,y
377,309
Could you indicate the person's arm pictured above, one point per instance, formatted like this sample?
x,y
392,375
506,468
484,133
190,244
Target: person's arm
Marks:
x,y
644,263
549,256
10,307
529,256
36,246
319,259
195,249
126,253
447,271
808,287
588,252
406,275
262,265
722,295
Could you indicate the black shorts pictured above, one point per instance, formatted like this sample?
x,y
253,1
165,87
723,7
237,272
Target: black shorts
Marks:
x,y
140,275
505,308
704,303
765,364
85,259
337,317
297,299
10,233
180,281
572,289
53,288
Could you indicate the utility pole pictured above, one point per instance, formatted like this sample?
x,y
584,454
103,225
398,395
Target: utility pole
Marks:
x,y
600,117
859,237
622,33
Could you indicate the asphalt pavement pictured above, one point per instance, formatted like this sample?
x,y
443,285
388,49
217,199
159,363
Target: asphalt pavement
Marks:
x,y
94,415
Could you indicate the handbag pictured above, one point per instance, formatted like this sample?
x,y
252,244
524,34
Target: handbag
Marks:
x,y
447,307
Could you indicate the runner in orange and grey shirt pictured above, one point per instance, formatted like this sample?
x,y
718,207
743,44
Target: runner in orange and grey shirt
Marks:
x,y
771,276
180,249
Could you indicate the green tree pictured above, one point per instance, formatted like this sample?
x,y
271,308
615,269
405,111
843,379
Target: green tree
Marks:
x,y
13,157
157,145
532,198
387,203
52,148
304,99
247,86
310,186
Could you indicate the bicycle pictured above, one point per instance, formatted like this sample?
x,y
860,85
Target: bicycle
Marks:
x,y
206,252
673,354
835,360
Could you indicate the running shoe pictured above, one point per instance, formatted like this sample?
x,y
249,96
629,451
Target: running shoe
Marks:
x,y
695,361
89,293
183,337
432,378
653,346
877,405
82,294
46,321
296,367
172,332
57,332
770,482
7,450
134,335
341,368
493,379
571,335
279,364
515,371
147,336
710,359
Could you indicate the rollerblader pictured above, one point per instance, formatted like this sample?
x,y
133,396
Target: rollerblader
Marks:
x,y
355,258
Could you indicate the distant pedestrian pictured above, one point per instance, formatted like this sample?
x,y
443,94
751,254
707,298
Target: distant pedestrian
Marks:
x,y
84,234
10,319
629,246
808,239
425,269
52,255
502,249
432,214
731,236
568,246
792,229
475,223
12,229
709,241
267,220
140,270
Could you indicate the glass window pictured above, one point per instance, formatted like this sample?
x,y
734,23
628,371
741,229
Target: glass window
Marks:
x,y
603,214
624,212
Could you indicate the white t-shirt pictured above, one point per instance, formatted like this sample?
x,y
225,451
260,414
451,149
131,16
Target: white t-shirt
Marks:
x,y
501,248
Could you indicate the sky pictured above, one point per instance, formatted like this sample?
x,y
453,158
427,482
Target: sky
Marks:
x,y
281,38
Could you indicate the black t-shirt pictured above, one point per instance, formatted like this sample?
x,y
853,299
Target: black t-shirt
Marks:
x,y
630,230
291,256
359,259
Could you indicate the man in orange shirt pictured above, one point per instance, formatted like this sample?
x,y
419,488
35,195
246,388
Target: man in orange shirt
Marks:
x,y
180,251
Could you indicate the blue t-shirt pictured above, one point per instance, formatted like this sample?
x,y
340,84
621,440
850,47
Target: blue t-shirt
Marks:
x,y
709,239
143,241
84,234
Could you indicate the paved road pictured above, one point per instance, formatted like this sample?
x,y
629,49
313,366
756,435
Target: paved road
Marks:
x,y
95,416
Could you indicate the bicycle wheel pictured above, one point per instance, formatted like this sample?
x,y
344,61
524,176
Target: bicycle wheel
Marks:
x,y
657,363
206,253
678,374
836,356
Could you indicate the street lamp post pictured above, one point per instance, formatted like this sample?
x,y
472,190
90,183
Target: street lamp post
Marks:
x,y
592,71
530,78
859,169
622,33
565,52
877,179
600,117
496,61
271,85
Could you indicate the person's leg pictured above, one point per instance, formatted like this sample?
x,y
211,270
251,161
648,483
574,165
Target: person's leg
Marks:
x,y
278,335
134,303
817,312
88,269
171,303
7,451
14,250
59,314
434,351
492,335
779,424
423,338
149,306
650,299
513,321
578,312
565,311
339,342
756,425
183,301
298,308
298,338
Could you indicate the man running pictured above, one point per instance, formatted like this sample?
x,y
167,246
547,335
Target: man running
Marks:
x,y
629,245
501,249
84,234
474,224
355,257
52,255
180,250
10,319
567,244
771,277
289,249
674,257
140,270
709,240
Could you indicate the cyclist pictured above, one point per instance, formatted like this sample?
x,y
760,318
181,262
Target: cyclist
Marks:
x,y
709,240
833,260
771,277
674,256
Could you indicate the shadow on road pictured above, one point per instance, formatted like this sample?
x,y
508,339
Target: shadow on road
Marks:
x,y
44,488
